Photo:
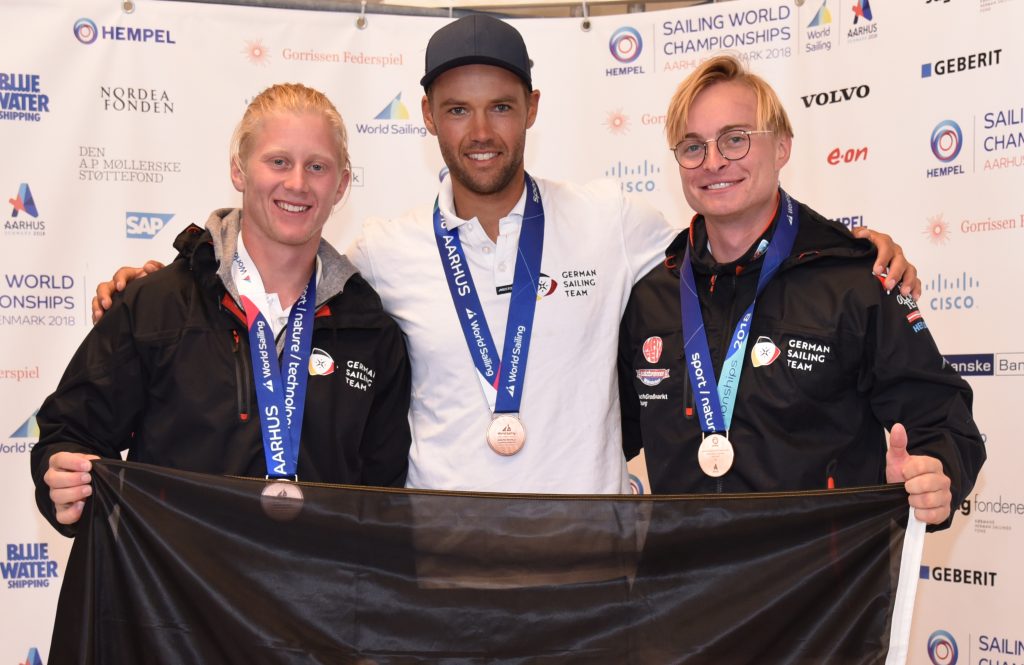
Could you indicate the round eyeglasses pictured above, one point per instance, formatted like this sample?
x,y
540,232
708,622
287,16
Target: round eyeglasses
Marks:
x,y
733,145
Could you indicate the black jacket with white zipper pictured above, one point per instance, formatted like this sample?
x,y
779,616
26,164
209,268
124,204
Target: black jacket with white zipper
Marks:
x,y
167,375
851,360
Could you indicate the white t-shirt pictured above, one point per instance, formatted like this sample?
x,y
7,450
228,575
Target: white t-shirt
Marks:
x,y
597,244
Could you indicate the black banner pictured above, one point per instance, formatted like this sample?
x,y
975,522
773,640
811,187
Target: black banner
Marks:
x,y
183,568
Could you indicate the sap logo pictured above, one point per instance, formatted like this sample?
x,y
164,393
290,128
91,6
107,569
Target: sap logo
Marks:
x,y
836,96
848,156
145,224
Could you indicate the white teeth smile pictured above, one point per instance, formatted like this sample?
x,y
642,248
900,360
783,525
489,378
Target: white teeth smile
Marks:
x,y
481,156
291,208
720,185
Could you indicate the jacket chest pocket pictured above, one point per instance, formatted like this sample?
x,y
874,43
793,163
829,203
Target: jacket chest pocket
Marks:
x,y
809,361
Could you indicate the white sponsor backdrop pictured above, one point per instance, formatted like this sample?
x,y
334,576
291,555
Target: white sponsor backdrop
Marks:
x,y
114,130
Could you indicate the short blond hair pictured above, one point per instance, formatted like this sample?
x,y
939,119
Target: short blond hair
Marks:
x,y
720,69
291,98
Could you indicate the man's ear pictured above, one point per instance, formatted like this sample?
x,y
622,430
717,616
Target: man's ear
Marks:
x,y
237,177
428,117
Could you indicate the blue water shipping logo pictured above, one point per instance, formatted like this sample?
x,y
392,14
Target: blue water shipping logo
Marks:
x,y
28,566
145,224
22,98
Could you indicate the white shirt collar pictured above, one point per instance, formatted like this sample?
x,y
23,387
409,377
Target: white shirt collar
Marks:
x,y
446,202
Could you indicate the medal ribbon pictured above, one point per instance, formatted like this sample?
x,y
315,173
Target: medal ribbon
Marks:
x,y
506,377
281,386
716,399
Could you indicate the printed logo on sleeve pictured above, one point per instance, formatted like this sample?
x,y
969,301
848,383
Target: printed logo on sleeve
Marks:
x,y
653,346
652,377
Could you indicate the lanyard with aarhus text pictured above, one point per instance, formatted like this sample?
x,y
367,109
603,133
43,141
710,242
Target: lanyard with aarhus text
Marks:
x,y
716,399
281,387
506,434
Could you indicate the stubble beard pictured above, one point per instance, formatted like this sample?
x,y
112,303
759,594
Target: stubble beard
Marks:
x,y
493,185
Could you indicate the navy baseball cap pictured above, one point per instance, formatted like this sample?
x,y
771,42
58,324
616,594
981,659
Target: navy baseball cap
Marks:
x,y
477,39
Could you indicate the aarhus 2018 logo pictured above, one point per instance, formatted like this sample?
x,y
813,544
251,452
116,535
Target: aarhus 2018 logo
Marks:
x,y
145,224
625,46
942,649
864,25
28,566
24,204
946,142
639,178
393,110
22,98
87,32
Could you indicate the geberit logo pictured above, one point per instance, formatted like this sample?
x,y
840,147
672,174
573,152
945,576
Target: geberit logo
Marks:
x,y
961,63
959,575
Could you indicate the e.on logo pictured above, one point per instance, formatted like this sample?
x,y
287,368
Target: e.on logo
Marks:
x,y
850,155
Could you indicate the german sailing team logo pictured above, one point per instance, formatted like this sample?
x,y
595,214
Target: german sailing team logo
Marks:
x,y
764,352
545,286
320,363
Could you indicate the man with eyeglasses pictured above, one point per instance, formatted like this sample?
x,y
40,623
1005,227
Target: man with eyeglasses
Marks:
x,y
763,355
